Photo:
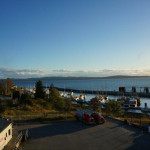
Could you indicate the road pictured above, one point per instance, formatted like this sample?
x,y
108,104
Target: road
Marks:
x,y
73,135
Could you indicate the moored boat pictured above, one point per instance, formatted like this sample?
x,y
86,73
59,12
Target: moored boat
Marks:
x,y
133,102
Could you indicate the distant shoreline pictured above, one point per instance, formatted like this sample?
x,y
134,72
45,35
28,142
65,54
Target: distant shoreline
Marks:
x,y
80,78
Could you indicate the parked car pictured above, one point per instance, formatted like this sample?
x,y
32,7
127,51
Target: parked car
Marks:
x,y
89,117
98,118
85,117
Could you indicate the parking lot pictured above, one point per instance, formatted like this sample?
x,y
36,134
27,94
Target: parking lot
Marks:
x,y
73,135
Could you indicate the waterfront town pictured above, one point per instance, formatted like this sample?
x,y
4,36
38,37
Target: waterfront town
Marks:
x,y
74,75
20,105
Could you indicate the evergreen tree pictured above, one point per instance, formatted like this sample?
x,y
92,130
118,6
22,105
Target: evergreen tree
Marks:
x,y
39,92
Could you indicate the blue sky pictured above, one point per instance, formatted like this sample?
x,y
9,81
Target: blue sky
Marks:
x,y
74,37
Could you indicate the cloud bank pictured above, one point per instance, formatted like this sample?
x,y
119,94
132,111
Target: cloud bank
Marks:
x,y
30,73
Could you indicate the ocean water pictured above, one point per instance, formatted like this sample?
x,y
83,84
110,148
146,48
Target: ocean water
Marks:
x,y
91,84
94,84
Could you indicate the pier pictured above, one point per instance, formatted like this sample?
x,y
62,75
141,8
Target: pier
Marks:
x,y
121,92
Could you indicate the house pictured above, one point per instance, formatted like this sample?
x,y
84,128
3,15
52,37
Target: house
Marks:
x,y
5,132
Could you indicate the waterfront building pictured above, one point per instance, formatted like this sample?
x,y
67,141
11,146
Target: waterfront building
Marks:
x,y
5,132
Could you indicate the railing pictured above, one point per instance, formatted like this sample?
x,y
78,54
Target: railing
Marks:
x,y
23,136
18,141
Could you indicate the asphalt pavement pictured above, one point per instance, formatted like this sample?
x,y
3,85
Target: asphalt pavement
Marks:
x,y
73,135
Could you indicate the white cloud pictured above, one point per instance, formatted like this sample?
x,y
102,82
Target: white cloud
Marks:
x,y
29,73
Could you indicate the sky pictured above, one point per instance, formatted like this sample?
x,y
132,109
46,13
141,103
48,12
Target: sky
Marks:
x,y
74,38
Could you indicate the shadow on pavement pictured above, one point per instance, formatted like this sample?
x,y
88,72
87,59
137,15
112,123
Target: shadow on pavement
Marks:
x,y
141,143
57,129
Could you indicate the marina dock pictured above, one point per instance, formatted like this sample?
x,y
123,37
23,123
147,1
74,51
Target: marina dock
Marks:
x,y
120,92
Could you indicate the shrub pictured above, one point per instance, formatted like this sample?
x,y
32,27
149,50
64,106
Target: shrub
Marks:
x,y
26,99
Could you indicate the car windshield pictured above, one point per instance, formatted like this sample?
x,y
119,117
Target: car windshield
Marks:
x,y
97,114
87,115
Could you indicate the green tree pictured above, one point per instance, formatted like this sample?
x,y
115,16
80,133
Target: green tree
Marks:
x,y
5,86
16,94
55,98
117,108
58,102
109,107
53,93
94,102
2,108
68,105
10,84
113,107
25,99
39,92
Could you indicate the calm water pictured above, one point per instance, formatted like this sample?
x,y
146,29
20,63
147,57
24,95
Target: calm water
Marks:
x,y
93,84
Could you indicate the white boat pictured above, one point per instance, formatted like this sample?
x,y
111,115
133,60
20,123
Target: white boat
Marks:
x,y
101,99
129,102
138,100
76,98
64,95
71,94
47,92
106,97
82,96
133,103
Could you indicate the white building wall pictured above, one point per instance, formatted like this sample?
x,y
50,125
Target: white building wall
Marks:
x,y
5,136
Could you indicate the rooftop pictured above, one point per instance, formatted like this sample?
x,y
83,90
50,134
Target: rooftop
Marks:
x,y
4,122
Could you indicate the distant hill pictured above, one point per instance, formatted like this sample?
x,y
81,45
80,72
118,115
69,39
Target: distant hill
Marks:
x,y
83,78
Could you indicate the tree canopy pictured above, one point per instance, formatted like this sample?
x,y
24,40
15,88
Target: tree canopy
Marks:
x,y
5,86
39,92
94,102
55,98
58,102
113,107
